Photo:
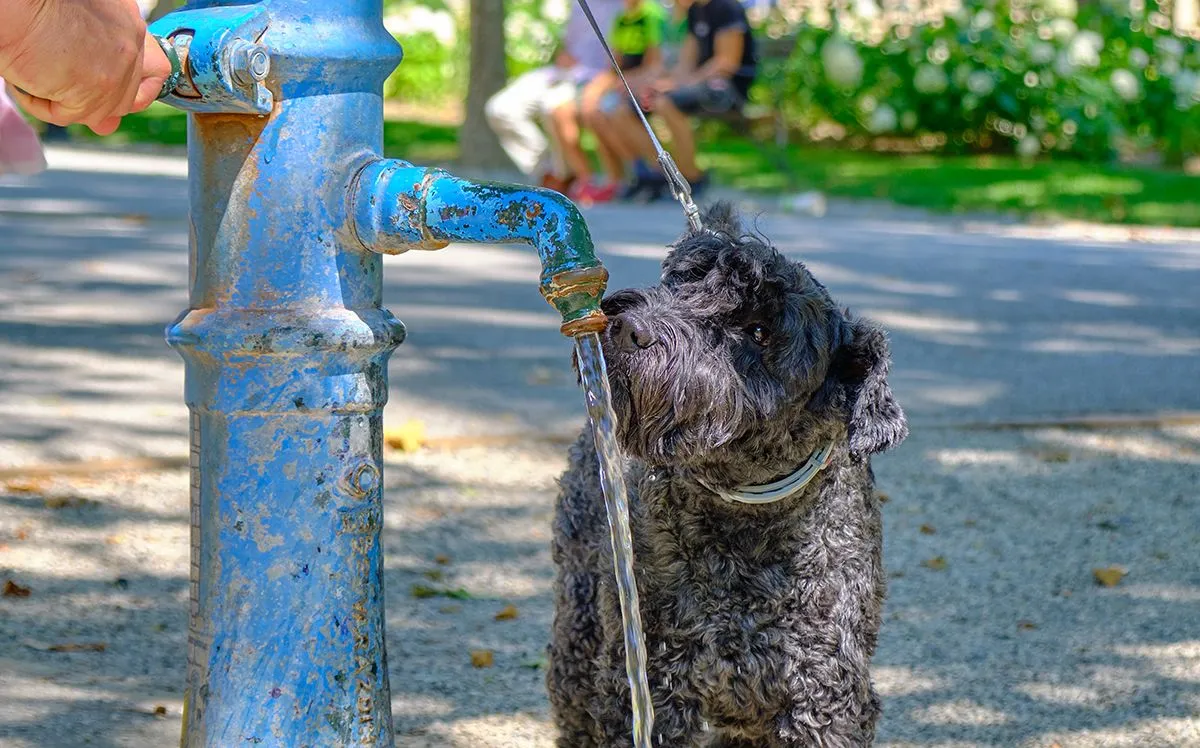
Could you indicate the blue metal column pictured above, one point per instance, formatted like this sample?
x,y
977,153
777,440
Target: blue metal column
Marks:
x,y
286,345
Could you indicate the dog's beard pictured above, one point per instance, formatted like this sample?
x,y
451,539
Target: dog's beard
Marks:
x,y
673,408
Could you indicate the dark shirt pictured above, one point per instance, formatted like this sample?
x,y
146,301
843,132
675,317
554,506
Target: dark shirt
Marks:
x,y
707,19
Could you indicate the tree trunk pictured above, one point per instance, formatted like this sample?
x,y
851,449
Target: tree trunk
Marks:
x,y
488,73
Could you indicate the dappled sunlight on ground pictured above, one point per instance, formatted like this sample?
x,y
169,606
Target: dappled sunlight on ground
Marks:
x,y
996,631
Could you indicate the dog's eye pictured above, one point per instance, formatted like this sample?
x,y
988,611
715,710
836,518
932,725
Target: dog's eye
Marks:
x,y
759,334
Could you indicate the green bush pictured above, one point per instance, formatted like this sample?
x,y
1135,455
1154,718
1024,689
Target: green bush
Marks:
x,y
1002,76
436,72
429,73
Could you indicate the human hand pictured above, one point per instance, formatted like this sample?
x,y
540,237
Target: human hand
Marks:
x,y
649,92
85,61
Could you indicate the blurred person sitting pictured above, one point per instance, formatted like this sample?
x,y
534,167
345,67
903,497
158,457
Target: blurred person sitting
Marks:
x,y
514,113
716,66
636,38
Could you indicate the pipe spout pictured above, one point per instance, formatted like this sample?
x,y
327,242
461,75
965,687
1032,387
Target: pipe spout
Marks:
x,y
398,207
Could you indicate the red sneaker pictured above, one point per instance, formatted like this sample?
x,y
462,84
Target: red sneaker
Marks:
x,y
591,194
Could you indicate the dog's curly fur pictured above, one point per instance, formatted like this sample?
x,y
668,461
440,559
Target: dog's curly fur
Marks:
x,y
760,621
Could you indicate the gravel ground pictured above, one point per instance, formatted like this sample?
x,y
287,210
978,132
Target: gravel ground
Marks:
x,y
996,634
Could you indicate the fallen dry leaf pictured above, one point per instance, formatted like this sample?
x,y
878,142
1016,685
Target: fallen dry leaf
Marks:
x,y
883,497
1025,625
442,559
482,658
12,589
114,540
160,711
422,591
66,647
64,502
407,437
937,563
539,375
28,486
1109,577
22,533
1052,455
78,647
507,613
928,529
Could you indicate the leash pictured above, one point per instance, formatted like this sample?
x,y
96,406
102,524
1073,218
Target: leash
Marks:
x,y
680,189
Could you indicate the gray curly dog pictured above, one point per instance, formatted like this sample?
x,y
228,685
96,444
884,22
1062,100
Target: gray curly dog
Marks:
x,y
748,405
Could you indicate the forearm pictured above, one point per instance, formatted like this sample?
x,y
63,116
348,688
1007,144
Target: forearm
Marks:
x,y
714,69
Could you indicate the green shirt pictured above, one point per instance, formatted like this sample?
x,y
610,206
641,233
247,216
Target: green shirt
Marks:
x,y
635,32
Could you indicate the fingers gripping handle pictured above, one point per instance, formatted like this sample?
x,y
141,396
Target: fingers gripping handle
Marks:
x,y
176,74
172,79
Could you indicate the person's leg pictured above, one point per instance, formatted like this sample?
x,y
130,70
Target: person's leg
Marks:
x,y
611,149
553,97
599,98
564,121
512,114
676,109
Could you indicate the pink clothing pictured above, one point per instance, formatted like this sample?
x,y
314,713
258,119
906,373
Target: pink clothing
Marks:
x,y
20,149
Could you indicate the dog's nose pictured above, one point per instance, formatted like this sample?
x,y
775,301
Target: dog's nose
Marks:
x,y
631,333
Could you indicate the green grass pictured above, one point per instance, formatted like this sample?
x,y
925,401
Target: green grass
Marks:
x,y
162,125
1046,189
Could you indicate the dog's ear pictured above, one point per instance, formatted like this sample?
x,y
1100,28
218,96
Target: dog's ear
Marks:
x,y
722,218
693,255
876,421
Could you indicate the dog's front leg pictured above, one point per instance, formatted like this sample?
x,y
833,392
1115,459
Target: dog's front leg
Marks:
x,y
677,719
832,704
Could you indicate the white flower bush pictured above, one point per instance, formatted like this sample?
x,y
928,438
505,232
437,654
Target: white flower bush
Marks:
x,y
1125,84
842,63
1041,77
931,79
882,120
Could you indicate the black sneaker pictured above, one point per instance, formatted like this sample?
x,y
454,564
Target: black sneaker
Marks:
x,y
646,186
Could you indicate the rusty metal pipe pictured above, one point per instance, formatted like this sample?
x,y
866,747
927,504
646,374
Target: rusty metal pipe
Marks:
x,y
398,207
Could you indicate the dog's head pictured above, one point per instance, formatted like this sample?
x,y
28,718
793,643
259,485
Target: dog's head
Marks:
x,y
740,357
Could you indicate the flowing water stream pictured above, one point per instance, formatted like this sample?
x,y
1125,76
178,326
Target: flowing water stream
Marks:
x,y
594,374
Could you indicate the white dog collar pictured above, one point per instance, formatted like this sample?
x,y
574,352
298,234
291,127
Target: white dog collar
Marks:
x,y
782,488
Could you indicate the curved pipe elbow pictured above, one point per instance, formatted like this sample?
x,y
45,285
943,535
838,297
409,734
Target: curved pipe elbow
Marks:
x,y
398,207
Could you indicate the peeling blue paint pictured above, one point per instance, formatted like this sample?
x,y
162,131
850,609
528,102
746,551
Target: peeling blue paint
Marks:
x,y
286,344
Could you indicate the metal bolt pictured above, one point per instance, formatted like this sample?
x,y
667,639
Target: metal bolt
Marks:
x,y
249,63
362,480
